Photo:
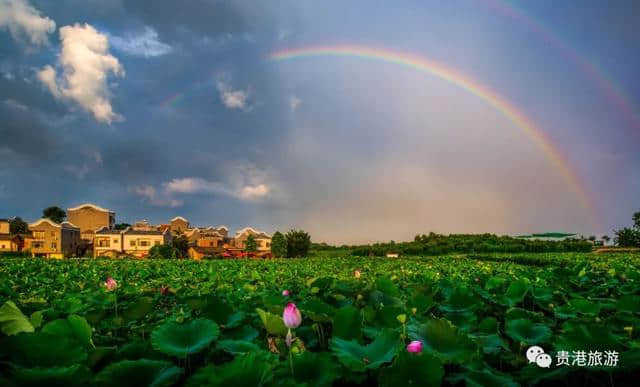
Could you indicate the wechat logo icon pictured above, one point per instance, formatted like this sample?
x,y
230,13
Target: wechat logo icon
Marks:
x,y
536,355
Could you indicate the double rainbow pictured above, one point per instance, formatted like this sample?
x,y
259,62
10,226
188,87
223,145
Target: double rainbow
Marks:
x,y
454,77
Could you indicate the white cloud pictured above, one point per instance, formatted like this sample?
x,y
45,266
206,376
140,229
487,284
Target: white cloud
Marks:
x,y
24,22
86,63
8,76
294,102
12,103
150,194
145,44
233,99
254,192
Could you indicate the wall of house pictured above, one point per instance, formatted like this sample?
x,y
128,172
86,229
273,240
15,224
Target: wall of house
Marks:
x,y
107,244
4,227
54,242
90,219
179,226
139,245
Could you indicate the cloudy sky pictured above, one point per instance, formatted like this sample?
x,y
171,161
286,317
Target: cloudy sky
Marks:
x,y
163,108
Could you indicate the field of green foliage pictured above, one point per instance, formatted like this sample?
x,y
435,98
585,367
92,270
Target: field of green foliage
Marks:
x,y
220,322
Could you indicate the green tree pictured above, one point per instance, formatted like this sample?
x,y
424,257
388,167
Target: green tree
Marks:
x,y
54,213
278,245
636,220
627,237
592,238
250,244
181,244
18,226
121,226
298,243
163,252
606,239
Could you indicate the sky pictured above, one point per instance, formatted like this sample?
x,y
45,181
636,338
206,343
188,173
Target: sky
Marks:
x,y
155,109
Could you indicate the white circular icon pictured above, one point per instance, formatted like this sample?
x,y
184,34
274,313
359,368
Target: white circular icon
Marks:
x,y
543,360
533,352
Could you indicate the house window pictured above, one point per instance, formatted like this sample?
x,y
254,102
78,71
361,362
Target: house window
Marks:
x,y
53,233
132,243
38,234
3,246
54,245
115,241
144,243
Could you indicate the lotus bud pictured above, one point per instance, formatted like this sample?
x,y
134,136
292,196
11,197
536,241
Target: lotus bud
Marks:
x,y
414,347
414,310
291,316
285,293
110,284
402,318
356,273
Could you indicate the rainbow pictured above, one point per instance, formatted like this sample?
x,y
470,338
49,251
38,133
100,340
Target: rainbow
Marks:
x,y
614,93
454,77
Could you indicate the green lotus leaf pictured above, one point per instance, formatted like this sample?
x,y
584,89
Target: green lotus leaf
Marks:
x,y
628,303
347,323
75,375
413,369
272,323
473,378
524,330
371,356
564,312
13,321
488,325
237,346
251,369
36,319
444,340
42,349
533,374
181,340
516,292
461,299
585,307
423,303
386,286
75,327
317,310
137,309
315,369
577,336
491,344
244,332
101,356
211,307
494,283
142,372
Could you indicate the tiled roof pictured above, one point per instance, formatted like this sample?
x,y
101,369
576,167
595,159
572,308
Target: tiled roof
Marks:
x,y
88,205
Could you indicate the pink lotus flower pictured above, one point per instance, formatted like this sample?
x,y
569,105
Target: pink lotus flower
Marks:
x,y
356,273
285,293
415,347
291,316
110,284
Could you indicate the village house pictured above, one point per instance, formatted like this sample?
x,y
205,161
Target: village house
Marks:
x,y
137,243
89,218
12,242
107,243
263,240
204,242
179,225
53,240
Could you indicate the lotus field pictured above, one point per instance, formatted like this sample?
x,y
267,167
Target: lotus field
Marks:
x,y
451,320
